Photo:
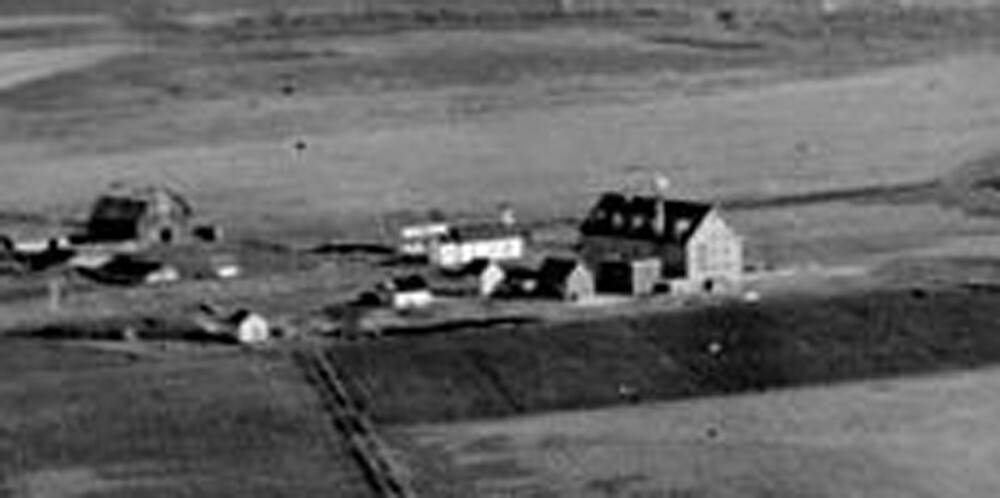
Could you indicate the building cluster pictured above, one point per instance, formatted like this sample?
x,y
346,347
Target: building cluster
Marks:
x,y
631,245
131,236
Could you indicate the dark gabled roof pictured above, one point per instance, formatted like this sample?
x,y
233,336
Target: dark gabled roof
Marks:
x,y
557,269
409,283
131,266
517,271
476,267
239,316
134,205
118,209
482,231
617,215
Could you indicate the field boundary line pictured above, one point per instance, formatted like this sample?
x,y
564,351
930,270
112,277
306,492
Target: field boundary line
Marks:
x,y
355,426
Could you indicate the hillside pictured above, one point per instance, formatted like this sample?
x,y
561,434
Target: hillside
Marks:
x,y
721,350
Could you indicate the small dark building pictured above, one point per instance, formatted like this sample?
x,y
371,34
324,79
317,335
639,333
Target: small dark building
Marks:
x,y
636,278
146,216
567,279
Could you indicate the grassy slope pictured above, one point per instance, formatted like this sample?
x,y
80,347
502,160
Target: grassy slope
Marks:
x,y
224,426
924,437
774,345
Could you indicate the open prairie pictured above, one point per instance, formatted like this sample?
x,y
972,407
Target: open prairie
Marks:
x,y
316,136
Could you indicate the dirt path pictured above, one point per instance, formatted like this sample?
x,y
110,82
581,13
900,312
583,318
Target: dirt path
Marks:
x,y
20,67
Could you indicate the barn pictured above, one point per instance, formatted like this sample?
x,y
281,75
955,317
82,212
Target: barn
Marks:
x,y
637,277
564,278
407,292
695,247
146,216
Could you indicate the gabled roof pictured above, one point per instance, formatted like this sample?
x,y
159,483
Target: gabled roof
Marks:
x,y
645,218
240,315
409,283
118,209
132,206
557,269
476,267
482,231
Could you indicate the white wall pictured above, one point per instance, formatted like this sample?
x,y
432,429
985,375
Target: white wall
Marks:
x,y
455,254
714,251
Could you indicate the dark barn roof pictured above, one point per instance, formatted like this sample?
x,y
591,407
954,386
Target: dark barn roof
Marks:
x,y
117,216
617,215
476,267
118,209
410,283
557,269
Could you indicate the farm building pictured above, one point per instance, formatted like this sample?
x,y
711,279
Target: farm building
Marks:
x,y
416,240
497,241
694,246
409,292
242,326
567,279
482,277
488,276
638,277
248,327
145,216
10,264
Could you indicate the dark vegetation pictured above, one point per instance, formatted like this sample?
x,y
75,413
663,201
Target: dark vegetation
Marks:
x,y
726,349
916,192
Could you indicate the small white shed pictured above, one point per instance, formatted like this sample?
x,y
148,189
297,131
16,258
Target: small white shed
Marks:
x,y
249,327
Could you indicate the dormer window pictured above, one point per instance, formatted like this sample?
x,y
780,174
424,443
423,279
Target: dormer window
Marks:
x,y
617,221
638,222
682,226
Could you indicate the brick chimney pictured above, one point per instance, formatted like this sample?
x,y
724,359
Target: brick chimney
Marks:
x,y
661,185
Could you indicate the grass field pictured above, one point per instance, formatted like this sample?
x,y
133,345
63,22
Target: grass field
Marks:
x,y
82,422
922,437
788,342
463,119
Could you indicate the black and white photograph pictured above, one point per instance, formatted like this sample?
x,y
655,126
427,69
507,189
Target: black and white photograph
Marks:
x,y
500,248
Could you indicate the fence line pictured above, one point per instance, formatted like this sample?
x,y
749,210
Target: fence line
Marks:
x,y
355,427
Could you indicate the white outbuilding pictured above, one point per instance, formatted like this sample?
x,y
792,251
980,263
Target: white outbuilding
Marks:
x,y
248,327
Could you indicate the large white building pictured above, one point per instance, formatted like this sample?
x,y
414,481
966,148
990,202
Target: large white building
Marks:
x,y
464,244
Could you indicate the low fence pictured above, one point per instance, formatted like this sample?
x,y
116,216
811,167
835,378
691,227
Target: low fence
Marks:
x,y
355,427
